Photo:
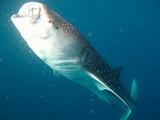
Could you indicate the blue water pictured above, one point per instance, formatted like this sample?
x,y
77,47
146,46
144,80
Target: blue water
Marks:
x,y
125,32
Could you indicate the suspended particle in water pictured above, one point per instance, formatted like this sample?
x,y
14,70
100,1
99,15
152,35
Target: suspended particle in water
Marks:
x,y
41,96
92,100
50,85
92,111
45,110
98,6
29,109
7,97
90,34
121,30
0,59
34,102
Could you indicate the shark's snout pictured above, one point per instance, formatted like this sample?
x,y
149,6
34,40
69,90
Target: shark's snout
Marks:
x,y
15,16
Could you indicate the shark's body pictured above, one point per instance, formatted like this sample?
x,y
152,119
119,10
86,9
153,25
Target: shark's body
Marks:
x,y
61,46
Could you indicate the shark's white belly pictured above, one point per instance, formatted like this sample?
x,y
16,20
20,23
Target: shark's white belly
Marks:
x,y
65,62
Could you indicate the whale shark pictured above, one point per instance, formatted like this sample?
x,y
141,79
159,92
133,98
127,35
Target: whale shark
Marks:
x,y
64,49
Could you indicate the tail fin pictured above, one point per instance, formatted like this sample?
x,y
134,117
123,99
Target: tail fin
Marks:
x,y
134,90
134,96
126,114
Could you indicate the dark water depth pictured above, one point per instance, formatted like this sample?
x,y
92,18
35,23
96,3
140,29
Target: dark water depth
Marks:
x,y
125,32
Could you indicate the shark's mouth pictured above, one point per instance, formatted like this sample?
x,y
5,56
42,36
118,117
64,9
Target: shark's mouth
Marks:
x,y
30,10
17,16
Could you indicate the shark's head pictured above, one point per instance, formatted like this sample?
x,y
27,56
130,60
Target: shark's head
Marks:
x,y
46,32
33,20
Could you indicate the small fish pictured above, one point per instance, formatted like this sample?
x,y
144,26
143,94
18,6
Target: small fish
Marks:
x,y
64,49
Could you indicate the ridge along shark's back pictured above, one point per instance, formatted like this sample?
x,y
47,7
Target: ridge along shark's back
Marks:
x,y
61,46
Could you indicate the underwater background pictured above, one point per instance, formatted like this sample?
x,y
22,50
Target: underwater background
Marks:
x,y
125,32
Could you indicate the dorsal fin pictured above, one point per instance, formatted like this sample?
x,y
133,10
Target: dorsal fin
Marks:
x,y
117,72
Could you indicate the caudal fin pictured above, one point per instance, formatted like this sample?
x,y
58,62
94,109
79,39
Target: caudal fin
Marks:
x,y
134,90
134,96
